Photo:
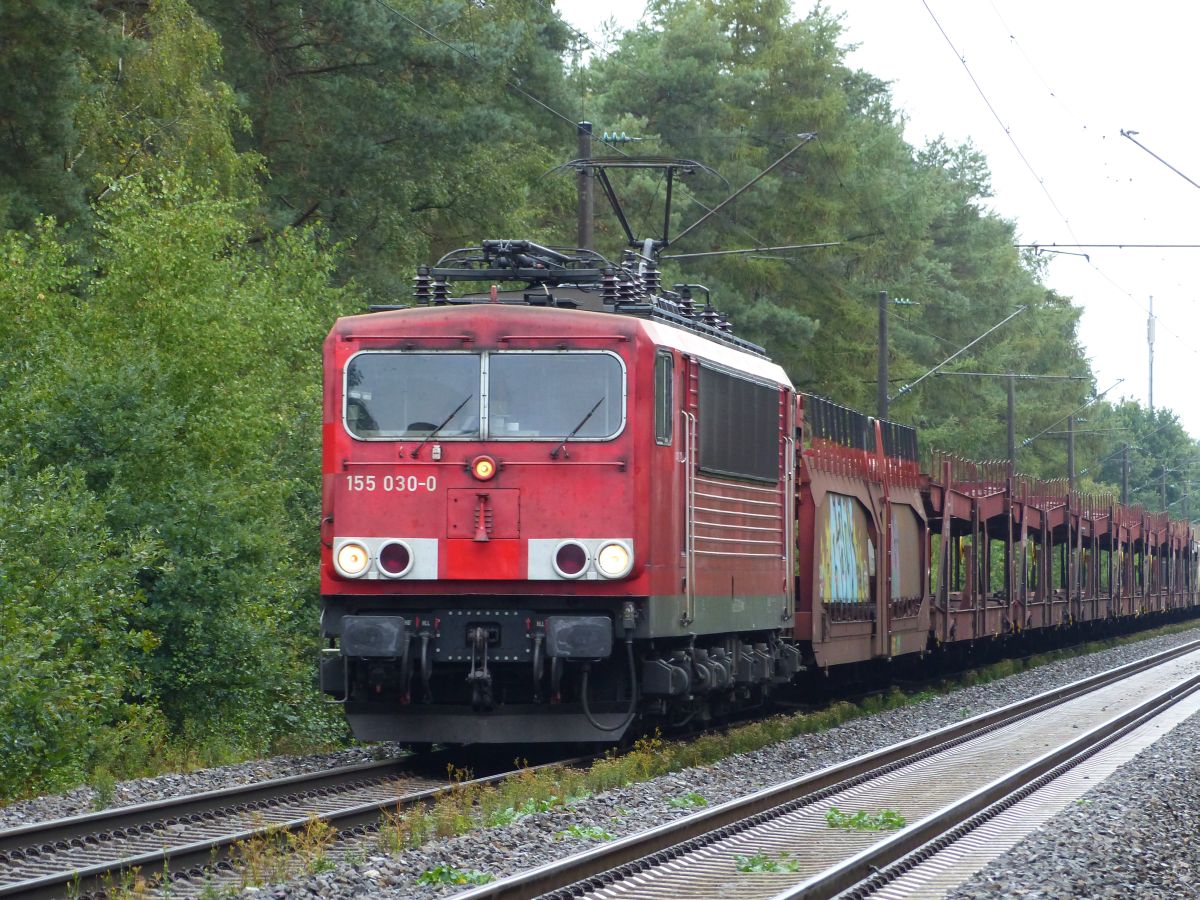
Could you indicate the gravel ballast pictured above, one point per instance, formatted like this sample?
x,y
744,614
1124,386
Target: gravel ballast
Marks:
x,y
540,838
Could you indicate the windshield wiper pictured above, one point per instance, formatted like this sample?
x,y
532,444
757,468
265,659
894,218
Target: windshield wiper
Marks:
x,y
445,422
562,448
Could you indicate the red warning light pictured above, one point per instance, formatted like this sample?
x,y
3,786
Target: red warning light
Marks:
x,y
483,468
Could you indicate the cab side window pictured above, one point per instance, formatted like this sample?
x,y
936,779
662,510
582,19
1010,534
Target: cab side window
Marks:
x,y
664,395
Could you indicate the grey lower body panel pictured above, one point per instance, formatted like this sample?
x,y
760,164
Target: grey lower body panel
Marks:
x,y
543,725
714,615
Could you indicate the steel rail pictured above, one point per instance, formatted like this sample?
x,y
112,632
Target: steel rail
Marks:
x,y
195,859
641,851
71,828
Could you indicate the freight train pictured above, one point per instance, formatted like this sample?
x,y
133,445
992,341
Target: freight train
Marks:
x,y
555,510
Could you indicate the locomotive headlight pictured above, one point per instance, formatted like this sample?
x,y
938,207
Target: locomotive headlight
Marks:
x,y
352,559
614,560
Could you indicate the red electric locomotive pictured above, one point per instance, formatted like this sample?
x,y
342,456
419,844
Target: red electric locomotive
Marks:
x,y
550,509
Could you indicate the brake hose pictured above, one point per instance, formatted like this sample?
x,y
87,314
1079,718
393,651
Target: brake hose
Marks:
x,y
583,690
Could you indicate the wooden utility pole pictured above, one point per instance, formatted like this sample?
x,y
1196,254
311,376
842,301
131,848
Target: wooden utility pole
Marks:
x,y
882,404
1012,424
1125,475
584,180
1070,453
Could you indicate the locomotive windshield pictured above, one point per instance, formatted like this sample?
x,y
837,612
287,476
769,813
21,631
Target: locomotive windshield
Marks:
x,y
527,395
555,395
411,395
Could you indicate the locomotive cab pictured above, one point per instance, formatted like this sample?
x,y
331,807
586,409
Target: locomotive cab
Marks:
x,y
481,543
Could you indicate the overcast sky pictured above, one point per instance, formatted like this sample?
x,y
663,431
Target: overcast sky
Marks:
x,y
1063,77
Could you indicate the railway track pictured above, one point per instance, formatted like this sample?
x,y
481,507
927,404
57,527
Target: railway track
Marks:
x,y
949,786
193,836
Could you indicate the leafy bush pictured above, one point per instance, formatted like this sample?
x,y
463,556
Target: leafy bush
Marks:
x,y
69,654
159,420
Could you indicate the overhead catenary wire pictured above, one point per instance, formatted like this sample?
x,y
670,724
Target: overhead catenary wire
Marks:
x,y
1156,480
1123,246
520,90
588,39
804,139
1017,377
999,121
753,250
1122,448
512,85
682,189
1041,182
1012,38
1084,126
908,387
1124,292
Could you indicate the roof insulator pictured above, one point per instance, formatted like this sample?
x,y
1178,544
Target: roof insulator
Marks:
x,y
421,283
441,290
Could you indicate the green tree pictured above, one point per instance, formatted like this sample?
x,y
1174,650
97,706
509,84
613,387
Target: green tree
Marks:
x,y
164,397
69,655
407,129
1159,451
160,106
186,390
44,49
